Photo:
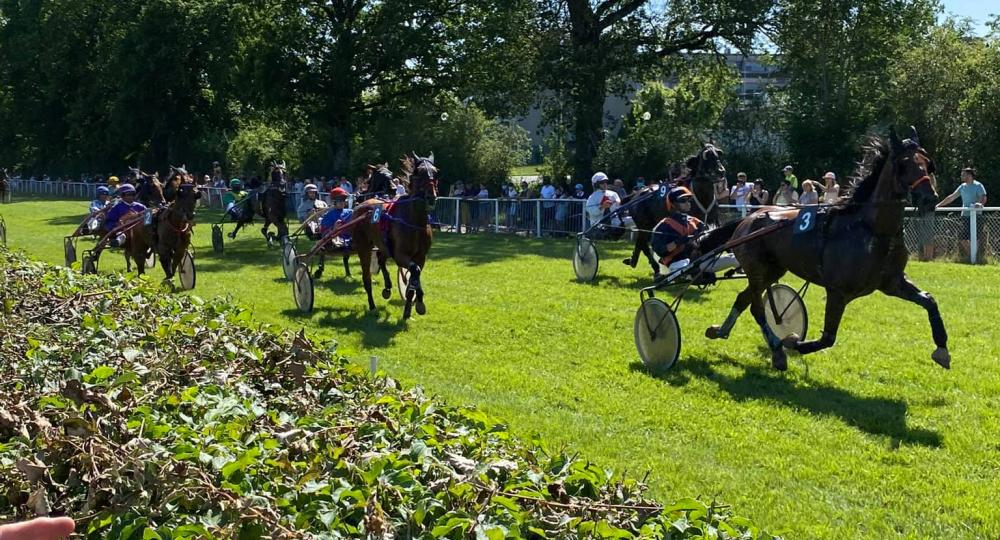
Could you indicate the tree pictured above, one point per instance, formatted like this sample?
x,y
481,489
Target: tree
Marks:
x,y
591,47
347,59
835,53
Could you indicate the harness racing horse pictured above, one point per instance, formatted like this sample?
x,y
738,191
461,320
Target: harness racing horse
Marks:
x,y
273,205
174,228
408,236
4,187
705,168
149,191
851,250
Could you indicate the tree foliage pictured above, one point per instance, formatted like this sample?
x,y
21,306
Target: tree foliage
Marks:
x,y
666,124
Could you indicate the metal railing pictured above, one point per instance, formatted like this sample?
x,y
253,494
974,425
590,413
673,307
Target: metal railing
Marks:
x,y
958,234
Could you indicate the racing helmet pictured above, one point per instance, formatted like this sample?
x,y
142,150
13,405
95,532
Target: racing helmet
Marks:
x,y
311,187
598,178
102,190
125,189
235,183
680,194
338,193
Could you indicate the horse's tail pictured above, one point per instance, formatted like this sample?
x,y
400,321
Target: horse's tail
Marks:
x,y
718,236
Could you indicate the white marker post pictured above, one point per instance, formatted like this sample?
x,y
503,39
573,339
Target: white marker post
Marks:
x,y
373,364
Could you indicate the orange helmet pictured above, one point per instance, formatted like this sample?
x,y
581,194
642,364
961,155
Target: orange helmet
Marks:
x,y
338,193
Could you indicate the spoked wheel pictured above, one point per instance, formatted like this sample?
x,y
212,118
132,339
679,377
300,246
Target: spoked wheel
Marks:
x,y
302,288
657,335
89,264
785,311
187,274
3,232
288,260
585,260
69,250
402,281
217,239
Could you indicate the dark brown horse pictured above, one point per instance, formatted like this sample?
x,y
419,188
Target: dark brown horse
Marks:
x,y
852,250
272,204
174,226
4,187
409,234
704,168
148,188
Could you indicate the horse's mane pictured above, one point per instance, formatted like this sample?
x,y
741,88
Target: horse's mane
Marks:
x,y
866,176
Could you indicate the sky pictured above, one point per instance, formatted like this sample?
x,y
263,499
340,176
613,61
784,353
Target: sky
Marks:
x,y
978,10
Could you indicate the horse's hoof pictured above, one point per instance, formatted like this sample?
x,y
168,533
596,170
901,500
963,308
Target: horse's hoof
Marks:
x,y
779,360
791,341
942,357
715,332
386,294
421,308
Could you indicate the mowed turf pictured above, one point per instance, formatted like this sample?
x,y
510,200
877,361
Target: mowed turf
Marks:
x,y
870,439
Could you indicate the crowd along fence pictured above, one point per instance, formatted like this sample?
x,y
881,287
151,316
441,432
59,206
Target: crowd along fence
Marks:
x,y
968,235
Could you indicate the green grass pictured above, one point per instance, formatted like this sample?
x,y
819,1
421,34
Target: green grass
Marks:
x,y
526,170
869,439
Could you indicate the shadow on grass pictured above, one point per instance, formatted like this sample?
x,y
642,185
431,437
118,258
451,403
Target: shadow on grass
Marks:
x,y
873,415
375,328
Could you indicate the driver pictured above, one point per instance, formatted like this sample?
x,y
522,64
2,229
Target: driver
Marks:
x,y
310,202
126,206
673,238
102,201
602,201
339,214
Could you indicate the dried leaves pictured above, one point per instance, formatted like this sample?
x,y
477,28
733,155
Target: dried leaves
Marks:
x,y
152,416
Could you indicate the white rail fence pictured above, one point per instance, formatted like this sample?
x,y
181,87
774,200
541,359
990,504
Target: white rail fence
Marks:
x,y
947,234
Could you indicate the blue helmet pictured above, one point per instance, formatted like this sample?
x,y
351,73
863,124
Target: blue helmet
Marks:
x,y
103,190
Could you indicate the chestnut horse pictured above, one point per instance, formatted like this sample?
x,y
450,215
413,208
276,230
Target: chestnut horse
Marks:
x,y
408,236
174,224
852,249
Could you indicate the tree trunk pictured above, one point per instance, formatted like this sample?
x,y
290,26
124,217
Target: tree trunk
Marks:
x,y
589,125
340,131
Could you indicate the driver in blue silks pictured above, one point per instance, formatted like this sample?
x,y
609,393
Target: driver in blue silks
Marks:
x,y
339,213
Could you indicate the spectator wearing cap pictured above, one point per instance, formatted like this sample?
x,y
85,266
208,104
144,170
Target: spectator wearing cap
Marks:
x,y
830,188
310,202
810,192
790,177
973,195
740,191
785,195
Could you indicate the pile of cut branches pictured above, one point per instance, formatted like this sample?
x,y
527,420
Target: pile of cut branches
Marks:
x,y
151,416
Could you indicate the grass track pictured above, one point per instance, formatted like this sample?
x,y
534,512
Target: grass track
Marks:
x,y
870,439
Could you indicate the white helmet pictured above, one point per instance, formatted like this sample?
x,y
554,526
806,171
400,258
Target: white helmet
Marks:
x,y
598,178
311,187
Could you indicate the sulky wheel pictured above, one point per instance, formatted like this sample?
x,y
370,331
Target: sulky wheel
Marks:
x,y
585,260
302,288
288,260
69,250
186,272
89,264
657,335
785,311
218,243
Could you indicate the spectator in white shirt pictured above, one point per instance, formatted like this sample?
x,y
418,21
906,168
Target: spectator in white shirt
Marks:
x,y
741,190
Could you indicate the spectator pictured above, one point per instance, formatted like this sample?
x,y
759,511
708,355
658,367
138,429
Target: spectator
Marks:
x,y
758,195
510,192
790,177
810,195
485,207
399,186
217,176
457,189
619,188
723,194
578,192
345,185
548,193
740,191
831,190
561,212
785,195
470,207
640,184
973,196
